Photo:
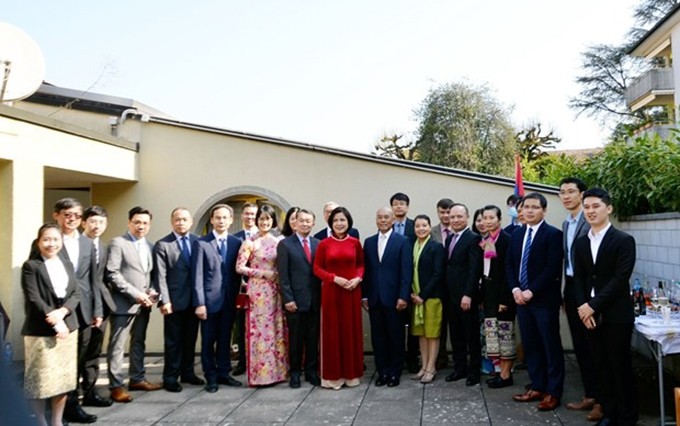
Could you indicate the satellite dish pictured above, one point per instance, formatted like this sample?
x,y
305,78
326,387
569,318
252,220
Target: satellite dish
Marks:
x,y
22,67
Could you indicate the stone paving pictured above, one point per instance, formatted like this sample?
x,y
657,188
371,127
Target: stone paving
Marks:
x,y
411,403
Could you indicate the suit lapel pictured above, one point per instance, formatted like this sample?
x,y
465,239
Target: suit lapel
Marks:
x,y
606,241
46,277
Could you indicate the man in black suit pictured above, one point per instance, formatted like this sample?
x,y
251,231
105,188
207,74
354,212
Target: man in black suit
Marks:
x,y
95,221
464,269
301,291
386,288
77,249
573,227
326,232
440,233
248,213
216,284
534,274
603,263
172,280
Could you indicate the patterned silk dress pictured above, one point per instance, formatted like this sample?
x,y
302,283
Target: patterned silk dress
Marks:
x,y
266,330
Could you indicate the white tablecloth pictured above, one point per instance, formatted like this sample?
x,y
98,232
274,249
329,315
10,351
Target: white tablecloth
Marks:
x,y
667,336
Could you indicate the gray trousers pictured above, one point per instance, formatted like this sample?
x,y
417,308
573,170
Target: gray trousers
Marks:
x,y
123,326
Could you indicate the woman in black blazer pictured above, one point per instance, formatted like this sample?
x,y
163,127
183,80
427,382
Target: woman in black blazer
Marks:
x,y
499,305
429,258
50,327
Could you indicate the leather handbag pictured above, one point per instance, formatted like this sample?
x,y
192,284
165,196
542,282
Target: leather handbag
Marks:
x,y
242,298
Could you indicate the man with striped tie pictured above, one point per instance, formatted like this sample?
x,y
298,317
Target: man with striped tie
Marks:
x,y
534,274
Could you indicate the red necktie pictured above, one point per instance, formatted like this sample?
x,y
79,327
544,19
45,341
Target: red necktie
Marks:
x,y
308,252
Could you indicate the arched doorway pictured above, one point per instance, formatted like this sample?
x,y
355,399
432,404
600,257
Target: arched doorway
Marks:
x,y
235,197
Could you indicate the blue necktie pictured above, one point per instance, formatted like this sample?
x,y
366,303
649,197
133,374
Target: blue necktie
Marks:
x,y
523,274
223,249
185,249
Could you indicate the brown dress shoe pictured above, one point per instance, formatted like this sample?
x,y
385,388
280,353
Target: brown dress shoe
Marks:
x,y
596,414
548,403
119,395
144,386
529,396
582,405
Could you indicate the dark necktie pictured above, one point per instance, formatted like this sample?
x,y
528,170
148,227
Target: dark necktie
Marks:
x,y
185,249
447,232
523,274
223,249
308,252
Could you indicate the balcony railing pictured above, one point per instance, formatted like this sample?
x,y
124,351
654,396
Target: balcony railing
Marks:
x,y
657,81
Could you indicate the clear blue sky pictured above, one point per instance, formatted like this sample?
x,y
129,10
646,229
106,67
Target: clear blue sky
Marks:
x,y
331,73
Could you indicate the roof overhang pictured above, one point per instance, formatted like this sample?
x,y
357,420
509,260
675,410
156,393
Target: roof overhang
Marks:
x,y
658,38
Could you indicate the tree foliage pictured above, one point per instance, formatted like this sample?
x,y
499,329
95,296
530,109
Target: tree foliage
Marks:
x,y
389,146
533,145
647,14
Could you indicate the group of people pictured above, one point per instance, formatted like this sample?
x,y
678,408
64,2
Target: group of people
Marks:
x,y
295,300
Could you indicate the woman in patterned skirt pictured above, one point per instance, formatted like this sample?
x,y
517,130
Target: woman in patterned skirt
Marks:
x,y
266,332
50,327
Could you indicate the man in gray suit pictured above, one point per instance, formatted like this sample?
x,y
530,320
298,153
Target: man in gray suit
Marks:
x,y
172,280
128,272
573,227
301,291
68,213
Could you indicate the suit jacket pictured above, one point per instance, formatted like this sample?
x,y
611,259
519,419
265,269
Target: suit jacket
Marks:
x,y
322,234
296,275
431,270
125,274
388,279
464,267
40,299
215,285
608,277
409,230
498,293
100,278
582,228
436,233
171,275
544,266
90,292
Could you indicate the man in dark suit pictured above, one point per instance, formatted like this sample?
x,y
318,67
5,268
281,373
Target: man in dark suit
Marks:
x,y
128,272
248,213
95,221
215,285
603,263
172,280
388,274
463,272
79,251
301,291
326,231
534,274
573,227
440,233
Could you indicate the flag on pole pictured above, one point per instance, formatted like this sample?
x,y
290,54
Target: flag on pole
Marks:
x,y
519,183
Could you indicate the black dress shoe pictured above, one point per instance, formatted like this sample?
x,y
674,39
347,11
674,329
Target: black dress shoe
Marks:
x,y
238,370
472,380
193,380
381,381
93,399
501,382
172,386
294,380
211,387
492,379
393,382
313,379
75,414
455,376
229,381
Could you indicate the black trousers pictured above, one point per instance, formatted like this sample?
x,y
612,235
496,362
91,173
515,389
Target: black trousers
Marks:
x,y
465,339
610,346
387,336
579,337
180,330
303,341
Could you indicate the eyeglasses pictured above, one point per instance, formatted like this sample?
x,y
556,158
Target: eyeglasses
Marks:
x,y
73,215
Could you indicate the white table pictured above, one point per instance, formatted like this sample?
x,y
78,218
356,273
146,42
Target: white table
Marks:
x,y
663,340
